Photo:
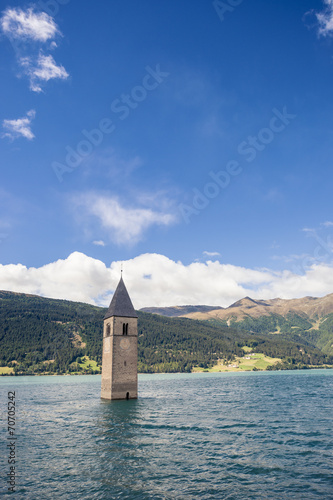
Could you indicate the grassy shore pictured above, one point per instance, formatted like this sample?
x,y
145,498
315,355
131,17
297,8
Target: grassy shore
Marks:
x,y
88,363
5,370
249,362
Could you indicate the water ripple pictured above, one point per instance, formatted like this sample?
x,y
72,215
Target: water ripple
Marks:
x,y
254,436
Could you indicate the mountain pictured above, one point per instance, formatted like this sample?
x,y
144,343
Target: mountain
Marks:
x,y
310,318
40,335
177,311
311,307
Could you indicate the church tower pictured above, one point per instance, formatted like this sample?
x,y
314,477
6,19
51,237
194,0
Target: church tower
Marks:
x,y
120,348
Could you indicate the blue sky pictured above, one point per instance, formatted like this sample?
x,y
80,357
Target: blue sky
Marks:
x,y
190,140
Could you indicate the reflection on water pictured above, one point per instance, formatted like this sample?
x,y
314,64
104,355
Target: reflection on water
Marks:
x,y
252,436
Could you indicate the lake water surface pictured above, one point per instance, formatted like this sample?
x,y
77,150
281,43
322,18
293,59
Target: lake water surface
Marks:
x,y
263,435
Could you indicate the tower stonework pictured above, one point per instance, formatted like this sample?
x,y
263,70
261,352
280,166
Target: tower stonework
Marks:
x,y
120,348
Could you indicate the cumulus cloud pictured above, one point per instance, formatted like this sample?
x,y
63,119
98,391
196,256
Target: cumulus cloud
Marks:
x,y
85,279
124,225
42,70
20,127
27,24
78,278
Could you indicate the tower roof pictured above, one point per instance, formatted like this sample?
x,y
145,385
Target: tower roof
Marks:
x,y
121,304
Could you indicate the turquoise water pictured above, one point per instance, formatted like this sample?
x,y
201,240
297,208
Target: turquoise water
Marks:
x,y
264,435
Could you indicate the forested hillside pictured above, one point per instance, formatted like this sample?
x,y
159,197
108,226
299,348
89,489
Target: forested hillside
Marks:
x,y
316,331
39,335
307,319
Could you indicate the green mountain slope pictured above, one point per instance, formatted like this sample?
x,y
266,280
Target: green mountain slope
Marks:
x,y
299,328
39,335
306,319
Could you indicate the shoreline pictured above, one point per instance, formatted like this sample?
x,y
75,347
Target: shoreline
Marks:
x,y
319,367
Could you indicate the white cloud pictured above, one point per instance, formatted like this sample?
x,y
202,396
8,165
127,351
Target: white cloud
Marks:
x,y
123,225
327,224
325,19
78,278
30,32
99,243
27,24
20,127
211,254
42,70
85,279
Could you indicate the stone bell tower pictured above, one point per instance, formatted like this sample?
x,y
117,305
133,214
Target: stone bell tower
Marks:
x,y
120,348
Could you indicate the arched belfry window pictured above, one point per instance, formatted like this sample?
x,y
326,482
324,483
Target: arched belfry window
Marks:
x,y
108,330
126,329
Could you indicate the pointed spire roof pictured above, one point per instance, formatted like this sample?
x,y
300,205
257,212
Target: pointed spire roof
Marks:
x,y
121,304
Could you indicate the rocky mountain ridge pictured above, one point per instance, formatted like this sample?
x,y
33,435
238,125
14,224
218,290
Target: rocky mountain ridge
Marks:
x,y
179,311
311,307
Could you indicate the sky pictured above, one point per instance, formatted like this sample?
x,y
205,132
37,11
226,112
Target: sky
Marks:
x,y
188,142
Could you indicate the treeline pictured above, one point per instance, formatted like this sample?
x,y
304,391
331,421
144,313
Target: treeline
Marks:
x,y
293,354
294,327
323,336
39,335
274,323
179,344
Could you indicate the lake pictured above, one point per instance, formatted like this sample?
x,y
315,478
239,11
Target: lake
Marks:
x,y
258,435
